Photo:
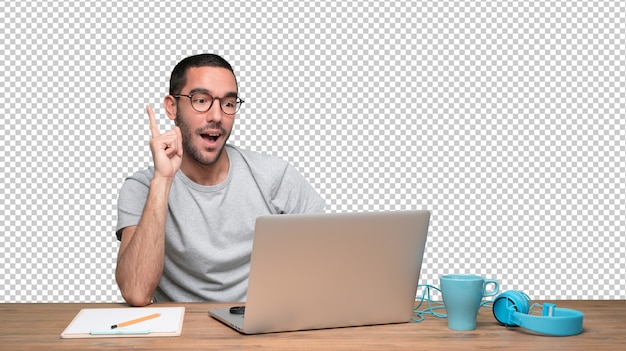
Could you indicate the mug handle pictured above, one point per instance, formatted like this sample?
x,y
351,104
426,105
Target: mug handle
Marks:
x,y
494,291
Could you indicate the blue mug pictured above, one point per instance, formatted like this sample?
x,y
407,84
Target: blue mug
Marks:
x,y
462,295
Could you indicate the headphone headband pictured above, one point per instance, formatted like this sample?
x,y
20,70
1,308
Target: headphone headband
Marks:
x,y
511,309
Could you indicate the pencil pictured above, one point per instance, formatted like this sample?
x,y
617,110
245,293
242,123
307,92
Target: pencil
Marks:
x,y
134,321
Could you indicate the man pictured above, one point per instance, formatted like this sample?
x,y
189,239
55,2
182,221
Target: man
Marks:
x,y
186,225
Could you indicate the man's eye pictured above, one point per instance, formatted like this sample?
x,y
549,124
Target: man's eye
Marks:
x,y
201,99
229,103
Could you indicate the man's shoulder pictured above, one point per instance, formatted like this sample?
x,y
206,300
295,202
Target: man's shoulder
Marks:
x,y
142,176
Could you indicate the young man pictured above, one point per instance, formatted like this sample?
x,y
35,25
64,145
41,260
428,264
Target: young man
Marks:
x,y
186,225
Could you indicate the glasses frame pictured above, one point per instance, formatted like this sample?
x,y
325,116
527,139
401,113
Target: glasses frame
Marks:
x,y
238,101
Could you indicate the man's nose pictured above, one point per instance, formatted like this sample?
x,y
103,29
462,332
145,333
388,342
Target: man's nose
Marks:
x,y
214,114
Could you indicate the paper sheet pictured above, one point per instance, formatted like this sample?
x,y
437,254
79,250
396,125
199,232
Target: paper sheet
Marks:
x,y
101,319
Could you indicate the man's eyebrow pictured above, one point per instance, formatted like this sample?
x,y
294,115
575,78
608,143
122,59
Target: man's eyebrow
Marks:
x,y
206,91
198,90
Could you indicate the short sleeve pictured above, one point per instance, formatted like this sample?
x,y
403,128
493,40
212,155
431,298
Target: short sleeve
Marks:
x,y
131,200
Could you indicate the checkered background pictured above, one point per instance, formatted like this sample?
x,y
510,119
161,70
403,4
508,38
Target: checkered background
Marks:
x,y
506,119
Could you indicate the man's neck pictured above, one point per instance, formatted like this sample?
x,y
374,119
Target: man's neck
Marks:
x,y
207,175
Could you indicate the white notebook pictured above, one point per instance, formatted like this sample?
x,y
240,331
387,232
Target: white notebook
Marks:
x,y
97,322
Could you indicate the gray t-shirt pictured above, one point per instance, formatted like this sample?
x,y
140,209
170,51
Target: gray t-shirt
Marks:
x,y
209,229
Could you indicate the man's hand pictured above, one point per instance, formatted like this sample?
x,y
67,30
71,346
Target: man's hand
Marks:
x,y
167,148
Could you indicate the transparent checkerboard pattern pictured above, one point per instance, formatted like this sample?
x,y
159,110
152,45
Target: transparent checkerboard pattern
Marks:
x,y
506,120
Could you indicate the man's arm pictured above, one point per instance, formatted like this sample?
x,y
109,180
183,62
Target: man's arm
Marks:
x,y
142,249
141,253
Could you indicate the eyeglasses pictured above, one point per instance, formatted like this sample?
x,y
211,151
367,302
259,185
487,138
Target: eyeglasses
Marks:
x,y
202,102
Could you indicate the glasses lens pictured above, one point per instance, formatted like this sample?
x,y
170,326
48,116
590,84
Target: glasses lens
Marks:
x,y
201,102
230,105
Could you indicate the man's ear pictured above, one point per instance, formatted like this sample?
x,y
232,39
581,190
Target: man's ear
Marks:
x,y
169,103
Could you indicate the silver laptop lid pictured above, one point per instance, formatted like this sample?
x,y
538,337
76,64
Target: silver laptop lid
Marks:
x,y
313,271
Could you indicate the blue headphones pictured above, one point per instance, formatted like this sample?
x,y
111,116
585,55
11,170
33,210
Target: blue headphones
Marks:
x,y
511,309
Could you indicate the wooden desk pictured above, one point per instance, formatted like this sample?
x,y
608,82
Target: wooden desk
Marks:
x,y
38,327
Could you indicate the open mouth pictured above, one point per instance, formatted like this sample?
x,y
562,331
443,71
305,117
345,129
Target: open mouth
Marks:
x,y
212,137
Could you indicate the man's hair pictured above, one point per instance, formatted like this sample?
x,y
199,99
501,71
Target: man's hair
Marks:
x,y
179,74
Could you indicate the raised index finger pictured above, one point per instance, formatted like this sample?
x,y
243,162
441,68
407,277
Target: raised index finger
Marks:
x,y
154,127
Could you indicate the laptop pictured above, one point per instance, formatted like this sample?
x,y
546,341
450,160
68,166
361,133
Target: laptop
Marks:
x,y
330,270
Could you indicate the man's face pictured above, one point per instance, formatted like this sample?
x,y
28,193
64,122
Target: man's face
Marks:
x,y
205,133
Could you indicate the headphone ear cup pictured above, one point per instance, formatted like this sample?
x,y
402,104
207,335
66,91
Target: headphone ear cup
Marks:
x,y
507,303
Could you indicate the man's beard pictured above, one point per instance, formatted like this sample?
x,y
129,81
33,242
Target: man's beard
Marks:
x,y
195,152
